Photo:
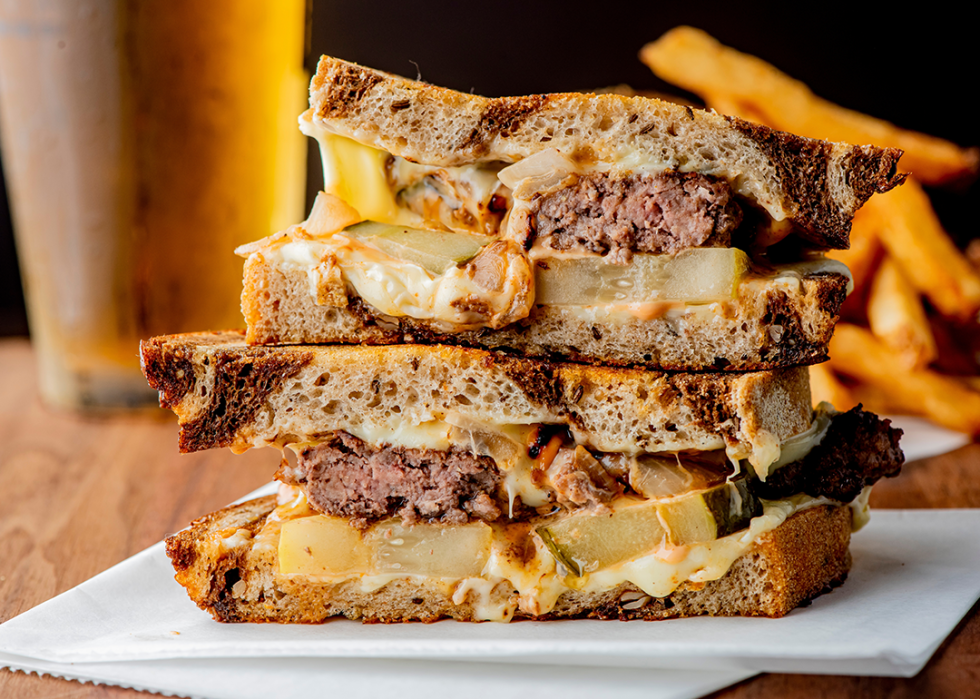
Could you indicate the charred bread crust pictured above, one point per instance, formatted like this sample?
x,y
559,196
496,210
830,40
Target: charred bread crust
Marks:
x,y
819,185
199,568
313,390
802,166
763,328
169,371
802,558
242,382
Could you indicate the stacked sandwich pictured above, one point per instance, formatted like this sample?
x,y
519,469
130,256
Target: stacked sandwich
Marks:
x,y
535,357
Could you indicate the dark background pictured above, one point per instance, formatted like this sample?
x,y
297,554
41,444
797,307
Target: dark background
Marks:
x,y
916,68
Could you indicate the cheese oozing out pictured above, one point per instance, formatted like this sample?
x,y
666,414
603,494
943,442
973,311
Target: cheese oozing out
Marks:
x,y
399,288
471,560
370,181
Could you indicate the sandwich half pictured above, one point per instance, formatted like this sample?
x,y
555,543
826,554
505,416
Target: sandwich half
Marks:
x,y
594,228
421,482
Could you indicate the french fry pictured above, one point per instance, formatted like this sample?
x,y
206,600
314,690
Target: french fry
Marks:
x,y
897,318
726,104
863,255
874,399
693,60
911,233
825,386
856,352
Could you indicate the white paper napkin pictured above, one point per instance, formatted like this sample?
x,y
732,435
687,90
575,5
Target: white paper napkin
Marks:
x,y
361,678
923,439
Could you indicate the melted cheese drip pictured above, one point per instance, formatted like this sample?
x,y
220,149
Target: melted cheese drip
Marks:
x,y
506,444
473,186
427,435
399,288
539,583
478,593
356,173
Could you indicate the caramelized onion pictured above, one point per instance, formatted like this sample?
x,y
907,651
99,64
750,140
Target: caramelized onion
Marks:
x,y
540,171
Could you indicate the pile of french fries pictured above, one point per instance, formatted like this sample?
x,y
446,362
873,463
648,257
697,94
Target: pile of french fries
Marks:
x,y
899,254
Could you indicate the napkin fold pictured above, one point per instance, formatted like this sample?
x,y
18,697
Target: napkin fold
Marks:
x,y
363,678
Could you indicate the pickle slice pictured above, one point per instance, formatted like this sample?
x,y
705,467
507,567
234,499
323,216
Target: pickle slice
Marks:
x,y
585,542
733,505
321,545
436,550
436,251
698,275
709,514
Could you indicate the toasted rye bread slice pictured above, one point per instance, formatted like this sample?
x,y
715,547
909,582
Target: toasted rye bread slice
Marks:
x,y
769,325
228,393
235,582
817,185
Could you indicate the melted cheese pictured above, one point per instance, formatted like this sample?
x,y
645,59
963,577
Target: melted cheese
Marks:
x,y
478,593
520,560
798,446
399,288
356,173
453,197
428,435
507,444
519,557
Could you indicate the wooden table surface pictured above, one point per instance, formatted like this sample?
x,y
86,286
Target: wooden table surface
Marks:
x,y
79,494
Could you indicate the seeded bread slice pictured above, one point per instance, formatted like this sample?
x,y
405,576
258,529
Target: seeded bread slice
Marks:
x,y
228,393
235,580
769,325
816,184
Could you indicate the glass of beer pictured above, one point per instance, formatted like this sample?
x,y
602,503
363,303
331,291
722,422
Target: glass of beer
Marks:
x,y
142,142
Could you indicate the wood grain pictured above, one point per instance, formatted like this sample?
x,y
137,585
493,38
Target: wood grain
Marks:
x,y
80,494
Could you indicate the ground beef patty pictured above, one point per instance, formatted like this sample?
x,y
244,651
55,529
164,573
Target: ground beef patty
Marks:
x,y
859,449
664,213
345,476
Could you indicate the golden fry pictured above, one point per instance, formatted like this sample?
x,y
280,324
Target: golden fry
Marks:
x,y
897,318
862,257
693,60
856,352
872,398
913,236
825,386
726,104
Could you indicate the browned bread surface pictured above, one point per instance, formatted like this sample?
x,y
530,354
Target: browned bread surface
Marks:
x,y
228,393
768,326
802,558
816,184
